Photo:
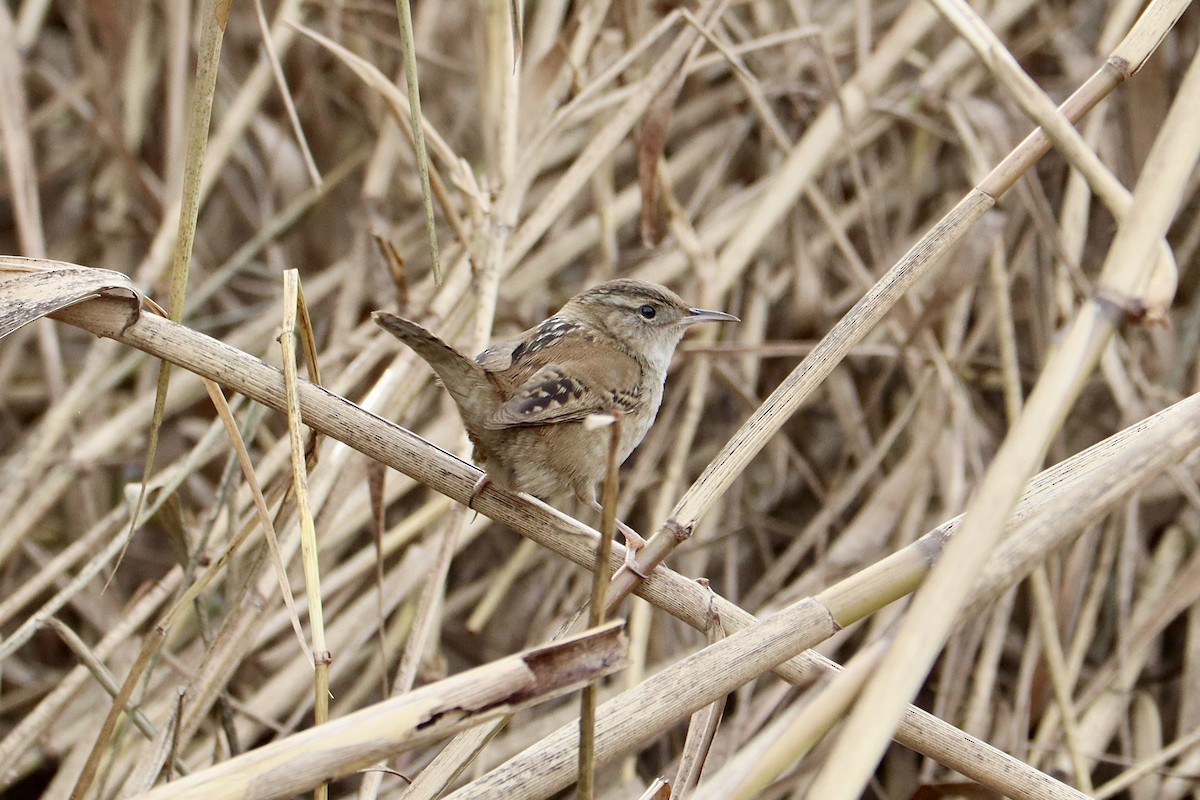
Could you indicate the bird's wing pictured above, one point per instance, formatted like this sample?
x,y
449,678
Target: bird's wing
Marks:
x,y
500,354
519,355
561,393
551,395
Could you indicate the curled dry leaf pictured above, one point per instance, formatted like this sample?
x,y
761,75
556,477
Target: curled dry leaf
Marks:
x,y
31,288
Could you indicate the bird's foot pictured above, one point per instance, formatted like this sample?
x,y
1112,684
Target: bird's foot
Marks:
x,y
477,489
633,540
633,543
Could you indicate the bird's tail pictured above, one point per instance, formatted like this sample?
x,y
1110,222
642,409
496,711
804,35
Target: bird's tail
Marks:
x,y
462,377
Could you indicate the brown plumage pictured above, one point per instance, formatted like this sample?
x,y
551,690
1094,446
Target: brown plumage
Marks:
x,y
523,399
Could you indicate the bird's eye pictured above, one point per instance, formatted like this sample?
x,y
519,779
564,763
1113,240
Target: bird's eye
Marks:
x,y
647,311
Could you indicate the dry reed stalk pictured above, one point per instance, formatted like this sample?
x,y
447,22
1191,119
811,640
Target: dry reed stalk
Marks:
x,y
808,146
429,713
1124,289
846,602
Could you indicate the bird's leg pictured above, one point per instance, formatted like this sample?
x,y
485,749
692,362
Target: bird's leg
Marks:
x,y
633,539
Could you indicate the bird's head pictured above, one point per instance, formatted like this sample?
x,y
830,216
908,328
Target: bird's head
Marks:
x,y
645,317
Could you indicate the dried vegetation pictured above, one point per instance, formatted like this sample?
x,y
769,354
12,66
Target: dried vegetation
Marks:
x,y
853,179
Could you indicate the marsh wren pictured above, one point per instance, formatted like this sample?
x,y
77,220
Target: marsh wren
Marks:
x,y
523,399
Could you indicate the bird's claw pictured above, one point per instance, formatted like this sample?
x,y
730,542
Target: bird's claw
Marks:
x,y
633,543
631,562
477,489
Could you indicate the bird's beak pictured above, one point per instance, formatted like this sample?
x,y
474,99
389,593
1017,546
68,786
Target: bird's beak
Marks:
x,y
704,315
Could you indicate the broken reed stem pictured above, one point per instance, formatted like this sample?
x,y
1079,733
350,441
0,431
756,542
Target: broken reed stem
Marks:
x,y
702,727
341,747
204,89
321,656
590,697
404,13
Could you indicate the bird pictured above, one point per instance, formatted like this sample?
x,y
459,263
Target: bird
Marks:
x,y
524,399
